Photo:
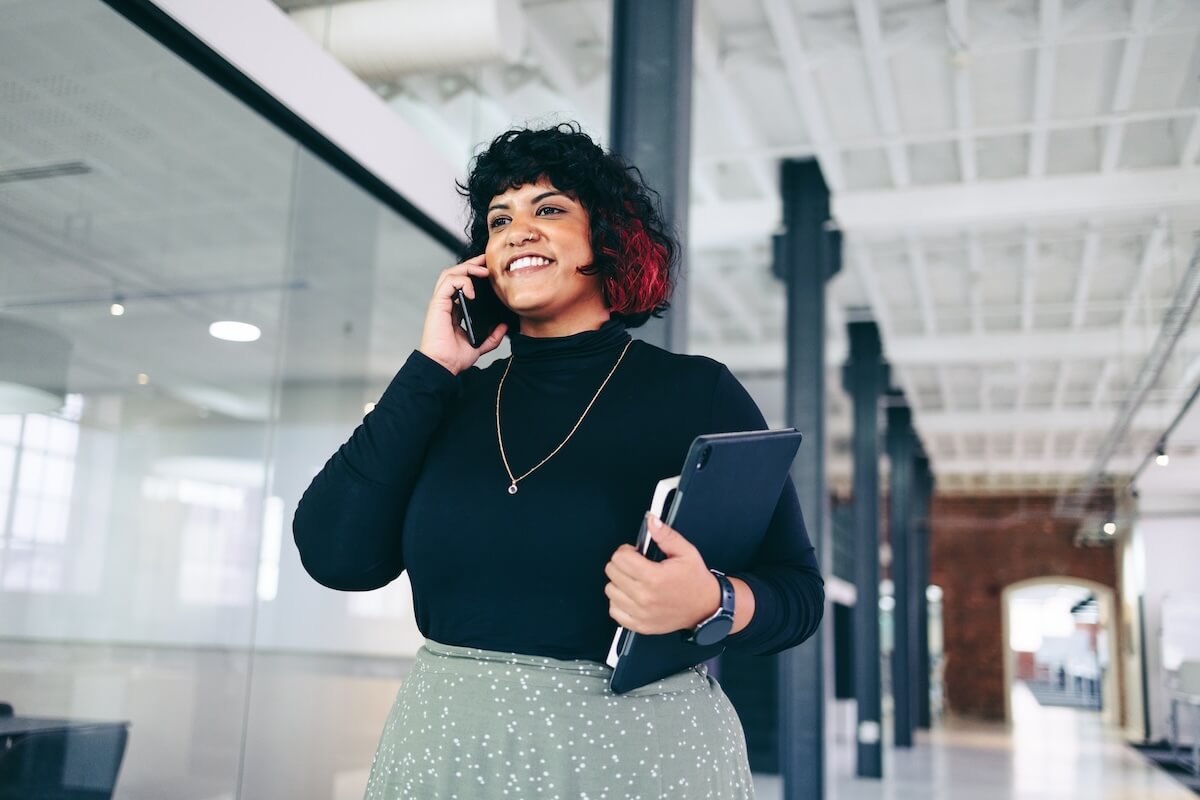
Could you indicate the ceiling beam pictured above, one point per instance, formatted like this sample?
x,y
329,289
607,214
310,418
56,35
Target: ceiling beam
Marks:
x,y
1191,147
880,310
975,283
920,278
866,15
1012,201
1131,62
1029,269
1043,86
782,22
1152,256
996,348
948,407
955,207
722,292
964,117
1183,114
1087,266
734,114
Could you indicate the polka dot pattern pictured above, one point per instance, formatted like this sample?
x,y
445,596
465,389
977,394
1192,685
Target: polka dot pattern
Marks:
x,y
471,723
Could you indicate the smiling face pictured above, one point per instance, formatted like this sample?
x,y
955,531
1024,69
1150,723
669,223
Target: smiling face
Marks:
x,y
538,238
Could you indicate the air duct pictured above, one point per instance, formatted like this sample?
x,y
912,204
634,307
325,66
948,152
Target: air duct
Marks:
x,y
382,39
33,368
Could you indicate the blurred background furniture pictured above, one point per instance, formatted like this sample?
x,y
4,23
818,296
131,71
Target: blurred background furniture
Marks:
x,y
1183,691
59,759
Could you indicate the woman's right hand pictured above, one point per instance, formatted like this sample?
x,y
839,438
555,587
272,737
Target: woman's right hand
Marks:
x,y
442,338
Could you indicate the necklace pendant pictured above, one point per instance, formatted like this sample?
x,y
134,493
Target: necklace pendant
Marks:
x,y
512,489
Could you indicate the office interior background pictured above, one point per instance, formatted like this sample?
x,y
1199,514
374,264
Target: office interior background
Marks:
x,y
1017,189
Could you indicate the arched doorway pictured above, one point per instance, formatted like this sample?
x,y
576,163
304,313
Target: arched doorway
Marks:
x,y
1073,593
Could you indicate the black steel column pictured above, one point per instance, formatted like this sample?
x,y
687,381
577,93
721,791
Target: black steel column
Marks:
x,y
651,116
900,490
924,501
808,257
864,378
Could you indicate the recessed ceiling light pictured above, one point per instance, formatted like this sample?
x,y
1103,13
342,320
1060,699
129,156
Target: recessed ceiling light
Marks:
x,y
143,378
116,309
1110,528
232,331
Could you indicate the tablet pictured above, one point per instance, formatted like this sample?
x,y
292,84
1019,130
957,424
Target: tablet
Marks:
x,y
723,504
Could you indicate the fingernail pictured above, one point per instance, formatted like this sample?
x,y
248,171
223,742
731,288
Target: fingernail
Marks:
x,y
655,522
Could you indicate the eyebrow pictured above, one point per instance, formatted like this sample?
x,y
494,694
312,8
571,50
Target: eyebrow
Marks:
x,y
534,201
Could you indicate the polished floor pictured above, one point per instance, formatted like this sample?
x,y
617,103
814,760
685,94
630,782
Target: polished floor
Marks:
x,y
1048,754
216,725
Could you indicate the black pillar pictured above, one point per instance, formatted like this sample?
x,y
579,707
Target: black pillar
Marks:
x,y
900,491
924,499
864,378
808,257
650,126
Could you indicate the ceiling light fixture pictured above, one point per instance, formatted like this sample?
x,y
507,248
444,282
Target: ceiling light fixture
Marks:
x,y
116,309
231,331
43,171
1110,528
1160,455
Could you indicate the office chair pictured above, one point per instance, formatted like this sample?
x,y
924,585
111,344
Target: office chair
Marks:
x,y
70,764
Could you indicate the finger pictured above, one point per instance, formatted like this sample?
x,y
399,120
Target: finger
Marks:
x,y
620,597
632,565
493,341
669,540
623,618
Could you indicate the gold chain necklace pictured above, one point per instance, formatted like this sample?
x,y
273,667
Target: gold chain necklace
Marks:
x,y
512,487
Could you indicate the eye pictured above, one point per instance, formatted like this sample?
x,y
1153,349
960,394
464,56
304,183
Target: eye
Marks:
x,y
497,221
549,210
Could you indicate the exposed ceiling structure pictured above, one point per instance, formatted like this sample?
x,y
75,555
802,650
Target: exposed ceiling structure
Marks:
x,y
1017,182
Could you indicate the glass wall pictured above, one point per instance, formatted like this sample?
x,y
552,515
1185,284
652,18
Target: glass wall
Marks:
x,y
148,469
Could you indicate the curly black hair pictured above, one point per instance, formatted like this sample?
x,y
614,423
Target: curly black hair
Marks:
x,y
634,250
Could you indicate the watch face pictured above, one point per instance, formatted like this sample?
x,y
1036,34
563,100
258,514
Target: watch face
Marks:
x,y
712,631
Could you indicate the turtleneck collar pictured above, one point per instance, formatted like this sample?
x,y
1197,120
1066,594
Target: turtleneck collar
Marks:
x,y
538,348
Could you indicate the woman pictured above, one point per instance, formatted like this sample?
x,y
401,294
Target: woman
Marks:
x,y
512,495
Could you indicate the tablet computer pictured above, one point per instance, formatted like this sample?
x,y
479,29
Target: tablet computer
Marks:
x,y
723,503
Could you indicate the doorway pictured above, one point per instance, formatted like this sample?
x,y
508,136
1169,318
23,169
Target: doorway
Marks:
x,y
1060,644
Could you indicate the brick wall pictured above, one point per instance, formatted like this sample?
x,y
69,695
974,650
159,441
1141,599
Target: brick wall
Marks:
x,y
978,546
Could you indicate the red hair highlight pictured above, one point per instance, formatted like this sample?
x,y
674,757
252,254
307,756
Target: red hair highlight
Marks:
x,y
641,282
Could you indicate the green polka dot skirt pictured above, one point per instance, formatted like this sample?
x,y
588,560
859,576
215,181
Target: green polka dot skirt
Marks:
x,y
471,723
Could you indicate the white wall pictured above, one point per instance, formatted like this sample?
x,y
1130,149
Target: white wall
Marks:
x,y
1168,538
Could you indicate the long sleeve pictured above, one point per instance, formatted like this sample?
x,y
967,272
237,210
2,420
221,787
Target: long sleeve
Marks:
x,y
348,522
789,594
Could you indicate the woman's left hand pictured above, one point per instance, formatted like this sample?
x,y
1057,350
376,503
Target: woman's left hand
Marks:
x,y
661,596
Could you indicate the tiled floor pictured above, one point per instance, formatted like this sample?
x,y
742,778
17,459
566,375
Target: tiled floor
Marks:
x,y
1049,754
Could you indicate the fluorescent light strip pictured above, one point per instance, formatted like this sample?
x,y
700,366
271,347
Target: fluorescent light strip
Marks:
x,y
61,169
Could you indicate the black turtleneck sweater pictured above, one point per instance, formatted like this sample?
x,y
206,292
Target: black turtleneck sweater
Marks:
x,y
420,486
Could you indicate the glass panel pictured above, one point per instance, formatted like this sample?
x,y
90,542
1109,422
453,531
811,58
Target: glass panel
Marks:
x,y
370,274
148,470
133,466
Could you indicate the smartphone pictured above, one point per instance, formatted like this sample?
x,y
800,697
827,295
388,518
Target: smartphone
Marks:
x,y
481,315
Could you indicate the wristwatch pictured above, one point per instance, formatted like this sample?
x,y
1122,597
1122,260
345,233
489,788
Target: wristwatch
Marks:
x,y
716,627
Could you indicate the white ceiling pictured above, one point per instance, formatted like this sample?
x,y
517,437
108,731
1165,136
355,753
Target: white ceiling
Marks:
x,y
1017,182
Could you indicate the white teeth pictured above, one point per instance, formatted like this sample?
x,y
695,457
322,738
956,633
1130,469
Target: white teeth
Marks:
x,y
528,261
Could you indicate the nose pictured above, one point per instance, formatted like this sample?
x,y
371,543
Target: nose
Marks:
x,y
520,234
